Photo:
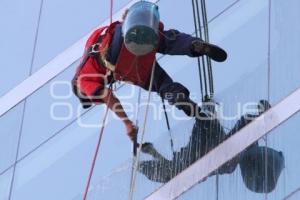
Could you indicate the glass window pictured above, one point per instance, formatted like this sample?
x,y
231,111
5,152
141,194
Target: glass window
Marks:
x,y
286,139
215,7
69,21
10,125
48,110
279,178
5,182
62,23
285,48
18,21
59,138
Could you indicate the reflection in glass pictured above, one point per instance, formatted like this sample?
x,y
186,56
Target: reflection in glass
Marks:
x,y
206,135
261,168
5,180
51,106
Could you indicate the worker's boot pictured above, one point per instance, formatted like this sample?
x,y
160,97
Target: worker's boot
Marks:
x,y
200,48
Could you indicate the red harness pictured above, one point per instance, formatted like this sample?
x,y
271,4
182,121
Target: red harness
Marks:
x,y
134,69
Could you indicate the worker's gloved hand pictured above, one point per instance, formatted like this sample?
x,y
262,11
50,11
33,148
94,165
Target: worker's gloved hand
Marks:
x,y
131,130
200,48
147,147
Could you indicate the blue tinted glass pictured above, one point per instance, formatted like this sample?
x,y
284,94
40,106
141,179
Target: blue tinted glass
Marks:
x,y
10,126
59,139
283,140
5,182
62,23
46,113
68,27
285,70
215,8
18,24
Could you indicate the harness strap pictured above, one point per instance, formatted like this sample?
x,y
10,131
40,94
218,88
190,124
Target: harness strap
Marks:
x,y
100,56
91,52
99,53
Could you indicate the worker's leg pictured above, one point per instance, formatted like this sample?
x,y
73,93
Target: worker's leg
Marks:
x,y
177,43
174,92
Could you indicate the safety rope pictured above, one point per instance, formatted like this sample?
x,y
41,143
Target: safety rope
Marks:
x,y
206,38
168,125
111,10
198,59
100,135
138,107
121,85
132,184
102,127
205,73
98,144
199,30
134,145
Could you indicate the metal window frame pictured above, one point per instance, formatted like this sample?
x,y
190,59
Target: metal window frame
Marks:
x,y
261,126
50,70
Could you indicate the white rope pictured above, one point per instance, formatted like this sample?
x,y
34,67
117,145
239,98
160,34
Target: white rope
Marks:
x,y
132,184
136,123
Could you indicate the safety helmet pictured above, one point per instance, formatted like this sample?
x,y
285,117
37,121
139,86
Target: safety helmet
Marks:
x,y
141,28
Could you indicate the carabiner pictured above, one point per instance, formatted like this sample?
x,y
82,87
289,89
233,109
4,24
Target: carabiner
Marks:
x,y
95,48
